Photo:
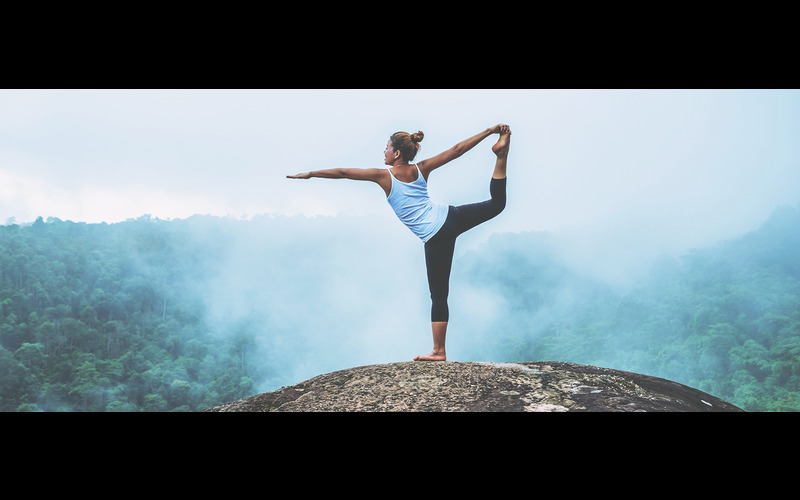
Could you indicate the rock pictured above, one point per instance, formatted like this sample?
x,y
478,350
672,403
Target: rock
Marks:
x,y
480,387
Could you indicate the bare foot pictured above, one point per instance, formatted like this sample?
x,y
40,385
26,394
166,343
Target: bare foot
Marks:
x,y
431,357
501,146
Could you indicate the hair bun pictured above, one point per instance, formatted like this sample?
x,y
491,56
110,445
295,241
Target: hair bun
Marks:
x,y
417,137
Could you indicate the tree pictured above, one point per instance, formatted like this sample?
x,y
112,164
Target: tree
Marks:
x,y
86,383
31,356
154,403
15,381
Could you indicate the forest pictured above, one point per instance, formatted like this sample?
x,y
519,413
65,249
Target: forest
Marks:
x,y
149,315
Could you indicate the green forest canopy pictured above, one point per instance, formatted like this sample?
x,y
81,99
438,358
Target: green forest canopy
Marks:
x,y
131,317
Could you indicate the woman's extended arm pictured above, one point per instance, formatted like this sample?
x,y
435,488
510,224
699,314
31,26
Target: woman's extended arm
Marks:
x,y
379,176
431,164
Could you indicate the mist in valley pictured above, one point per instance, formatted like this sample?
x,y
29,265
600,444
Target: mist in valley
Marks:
x,y
645,230
314,295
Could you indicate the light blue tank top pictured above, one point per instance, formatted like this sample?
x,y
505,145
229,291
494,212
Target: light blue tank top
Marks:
x,y
413,206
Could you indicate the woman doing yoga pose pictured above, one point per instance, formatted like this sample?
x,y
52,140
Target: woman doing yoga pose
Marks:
x,y
437,225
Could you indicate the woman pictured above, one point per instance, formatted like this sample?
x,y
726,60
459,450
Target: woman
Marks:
x,y
437,225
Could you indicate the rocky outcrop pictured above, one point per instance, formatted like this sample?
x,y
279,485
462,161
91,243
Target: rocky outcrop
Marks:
x,y
479,387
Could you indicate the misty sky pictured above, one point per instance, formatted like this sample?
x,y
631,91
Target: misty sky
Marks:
x,y
671,168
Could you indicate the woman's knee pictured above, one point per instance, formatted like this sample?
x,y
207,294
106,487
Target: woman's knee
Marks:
x,y
497,189
498,204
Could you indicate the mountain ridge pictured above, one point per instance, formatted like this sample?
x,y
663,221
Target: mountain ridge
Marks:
x,y
475,386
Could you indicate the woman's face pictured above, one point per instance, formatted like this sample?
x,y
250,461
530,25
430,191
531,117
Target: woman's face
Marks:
x,y
389,155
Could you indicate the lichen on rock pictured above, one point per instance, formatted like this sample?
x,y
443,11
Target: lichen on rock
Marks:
x,y
479,387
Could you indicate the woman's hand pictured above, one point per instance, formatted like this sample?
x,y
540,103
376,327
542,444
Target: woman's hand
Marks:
x,y
306,175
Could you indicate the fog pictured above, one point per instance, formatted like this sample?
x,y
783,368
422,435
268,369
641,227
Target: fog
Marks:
x,y
682,165
321,272
317,294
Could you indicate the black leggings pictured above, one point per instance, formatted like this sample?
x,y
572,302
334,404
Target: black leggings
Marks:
x,y
439,249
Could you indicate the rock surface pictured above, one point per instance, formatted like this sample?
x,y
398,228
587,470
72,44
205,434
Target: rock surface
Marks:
x,y
481,386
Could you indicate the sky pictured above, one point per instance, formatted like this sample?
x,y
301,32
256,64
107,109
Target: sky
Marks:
x,y
670,168
622,176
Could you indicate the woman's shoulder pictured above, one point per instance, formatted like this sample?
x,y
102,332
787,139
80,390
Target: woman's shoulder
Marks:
x,y
407,173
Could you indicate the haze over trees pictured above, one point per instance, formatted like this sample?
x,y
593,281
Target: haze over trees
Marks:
x,y
181,315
